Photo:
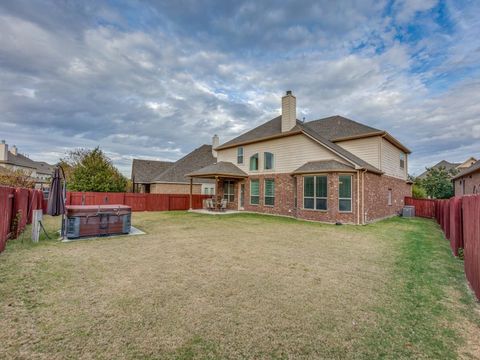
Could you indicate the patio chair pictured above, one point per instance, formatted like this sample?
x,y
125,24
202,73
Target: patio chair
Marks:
x,y
209,203
223,205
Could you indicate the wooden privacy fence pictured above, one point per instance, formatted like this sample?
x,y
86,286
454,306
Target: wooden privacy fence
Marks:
x,y
16,209
138,202
459,218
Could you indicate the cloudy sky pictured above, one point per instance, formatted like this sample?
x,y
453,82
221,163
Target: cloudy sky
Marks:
x,y
156,79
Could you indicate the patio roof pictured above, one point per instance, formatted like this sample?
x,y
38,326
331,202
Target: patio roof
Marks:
x,y
323,166
220,169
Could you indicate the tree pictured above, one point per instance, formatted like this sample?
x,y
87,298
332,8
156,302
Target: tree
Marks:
x,y
438,184
92,170
17,178
418,192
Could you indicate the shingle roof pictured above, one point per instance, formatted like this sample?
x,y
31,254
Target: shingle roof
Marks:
x,y
322,165
471,169
444,163
222,168
270,128
195,160
23,161
144,171
337,127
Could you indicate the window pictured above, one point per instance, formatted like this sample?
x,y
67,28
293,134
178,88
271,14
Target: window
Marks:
x,y
345,193
315,192
228,191
254,192
240,155
389,198
402,161
269,192
254,162
268,161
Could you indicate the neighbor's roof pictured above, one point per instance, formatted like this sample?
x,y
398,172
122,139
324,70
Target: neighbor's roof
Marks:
x,y
193,161
471,169
444,163
222,168
323,165
144,171
26,162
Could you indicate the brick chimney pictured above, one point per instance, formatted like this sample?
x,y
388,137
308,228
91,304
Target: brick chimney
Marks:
x,y
289,111
3,151
215,143
14,150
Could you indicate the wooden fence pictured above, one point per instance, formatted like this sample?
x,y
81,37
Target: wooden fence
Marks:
x,y
459,218
16,209
138,202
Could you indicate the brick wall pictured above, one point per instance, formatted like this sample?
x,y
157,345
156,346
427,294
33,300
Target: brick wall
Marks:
x,y
376,196
332,214
472,184
174,189
230,205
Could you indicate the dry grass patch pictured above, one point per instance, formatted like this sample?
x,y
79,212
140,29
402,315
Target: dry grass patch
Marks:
x,y
197,286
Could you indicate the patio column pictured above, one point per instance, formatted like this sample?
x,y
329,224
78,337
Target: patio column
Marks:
x,y
191,191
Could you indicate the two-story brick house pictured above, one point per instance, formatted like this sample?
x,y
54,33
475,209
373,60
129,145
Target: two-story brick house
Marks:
x,y
332,169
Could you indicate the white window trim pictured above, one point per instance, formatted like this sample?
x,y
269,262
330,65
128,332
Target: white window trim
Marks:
x,y
265,161
228,190
243,155
258,162
315,197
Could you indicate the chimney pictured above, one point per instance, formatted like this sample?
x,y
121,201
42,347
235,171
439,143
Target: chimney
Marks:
x,y
3,151
13,150
215,143
289,111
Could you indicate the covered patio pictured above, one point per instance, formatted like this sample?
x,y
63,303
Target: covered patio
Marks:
x,y
229,186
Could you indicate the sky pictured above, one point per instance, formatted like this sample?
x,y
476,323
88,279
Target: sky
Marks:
x,y
157,79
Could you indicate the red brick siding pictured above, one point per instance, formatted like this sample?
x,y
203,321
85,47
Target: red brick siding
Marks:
x,y
472,184
332,214
284,195
376,196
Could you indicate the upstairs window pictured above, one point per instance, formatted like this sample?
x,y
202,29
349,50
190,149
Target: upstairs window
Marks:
x,y
254,192
254,162
268,161
269,192
229,191
240,155
345,193
402,161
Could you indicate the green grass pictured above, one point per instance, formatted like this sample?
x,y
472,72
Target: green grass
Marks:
x,y
239,286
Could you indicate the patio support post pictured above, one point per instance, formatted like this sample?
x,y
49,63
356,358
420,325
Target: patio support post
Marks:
x,y
191,191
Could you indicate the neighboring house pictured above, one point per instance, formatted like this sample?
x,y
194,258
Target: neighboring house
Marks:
x,y
450,166
12,160
467,182
160,177
333,169
144,171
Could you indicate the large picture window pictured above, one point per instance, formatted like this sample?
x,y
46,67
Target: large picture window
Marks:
x,y
269,192
268,161
254,192
229,191
254,162
345,193
240,155
315,192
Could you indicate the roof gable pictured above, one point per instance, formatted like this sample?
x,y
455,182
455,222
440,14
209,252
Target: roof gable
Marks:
x,y
144,171
195,160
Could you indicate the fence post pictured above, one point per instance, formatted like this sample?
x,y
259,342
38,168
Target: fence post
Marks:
x,y
36,218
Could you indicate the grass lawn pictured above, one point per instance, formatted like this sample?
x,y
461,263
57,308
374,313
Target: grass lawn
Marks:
x,y
239,286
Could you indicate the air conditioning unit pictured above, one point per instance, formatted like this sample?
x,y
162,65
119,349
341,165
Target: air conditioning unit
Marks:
x,y
408,211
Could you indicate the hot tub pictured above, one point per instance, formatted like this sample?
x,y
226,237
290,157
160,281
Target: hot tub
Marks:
x,y
97,220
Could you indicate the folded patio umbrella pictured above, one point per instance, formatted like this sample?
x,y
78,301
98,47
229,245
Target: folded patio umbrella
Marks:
x,y
56,197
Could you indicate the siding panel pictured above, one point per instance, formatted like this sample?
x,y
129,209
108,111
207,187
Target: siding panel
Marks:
x,y
367,149
290,153
391,161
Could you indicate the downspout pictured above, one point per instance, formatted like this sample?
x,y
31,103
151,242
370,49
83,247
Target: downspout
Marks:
x,y
358,197
363,196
